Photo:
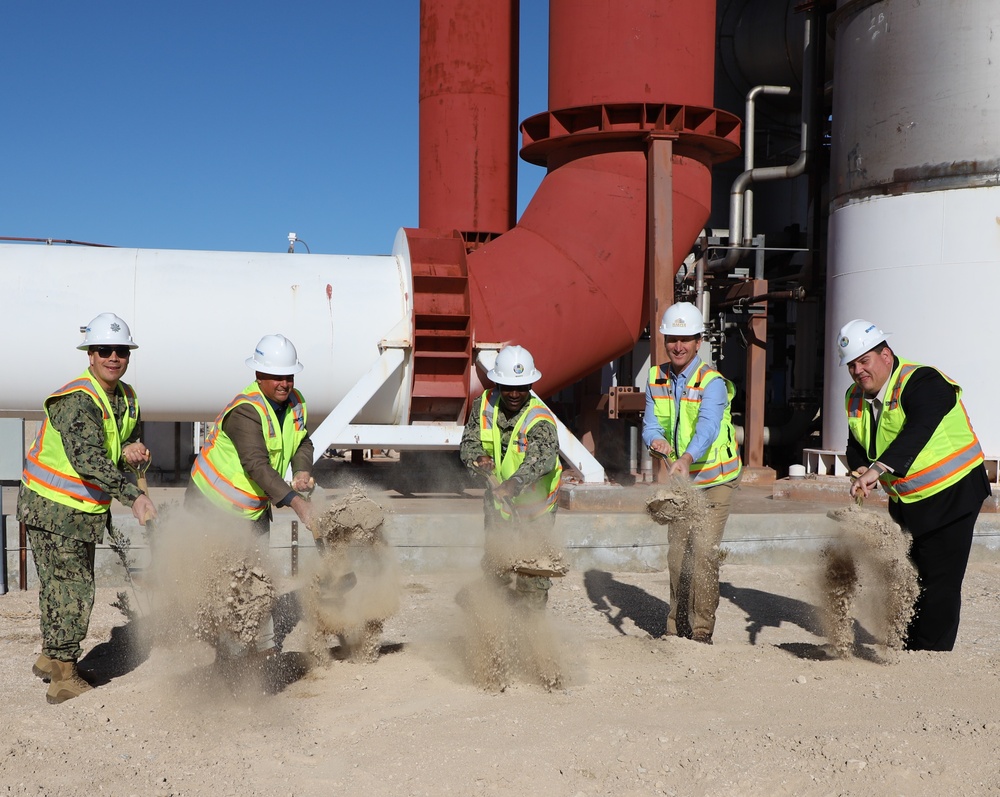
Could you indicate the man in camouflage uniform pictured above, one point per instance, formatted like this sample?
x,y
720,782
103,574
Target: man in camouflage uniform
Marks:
x,y
511,438
71,474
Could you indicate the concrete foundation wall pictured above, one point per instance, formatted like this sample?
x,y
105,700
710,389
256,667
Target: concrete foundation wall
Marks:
x,y
615,542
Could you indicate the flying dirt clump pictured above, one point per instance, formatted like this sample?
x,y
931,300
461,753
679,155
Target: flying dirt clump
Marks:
x,y
237,598
357,583
678,500
870,558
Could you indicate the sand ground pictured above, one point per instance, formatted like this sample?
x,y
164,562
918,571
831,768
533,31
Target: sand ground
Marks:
x,y
762,712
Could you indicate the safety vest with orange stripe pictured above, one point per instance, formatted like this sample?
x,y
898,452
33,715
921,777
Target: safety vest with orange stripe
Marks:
x,y
951,453
721,462
47,469
539,498
217,471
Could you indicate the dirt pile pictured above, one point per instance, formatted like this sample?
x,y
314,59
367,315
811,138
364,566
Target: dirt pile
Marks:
x,y
357,582
868,564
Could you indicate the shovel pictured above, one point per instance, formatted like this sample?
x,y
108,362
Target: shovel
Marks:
x,y
494,482
140,477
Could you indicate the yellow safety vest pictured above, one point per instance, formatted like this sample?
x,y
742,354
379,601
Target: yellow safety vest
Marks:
x,y
217,471
540,497
47,470
721,462
951,453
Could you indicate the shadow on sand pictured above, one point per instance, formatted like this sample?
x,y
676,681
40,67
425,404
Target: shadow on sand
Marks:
x,y
767,610
620,601
128,647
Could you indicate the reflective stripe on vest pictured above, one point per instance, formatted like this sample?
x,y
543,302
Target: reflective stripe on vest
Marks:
x,y
47,469
540,497
952,451
721,462
217,471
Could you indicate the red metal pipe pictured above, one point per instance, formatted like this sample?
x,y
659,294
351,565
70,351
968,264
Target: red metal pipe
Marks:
x,y
468,116
613,51
569,281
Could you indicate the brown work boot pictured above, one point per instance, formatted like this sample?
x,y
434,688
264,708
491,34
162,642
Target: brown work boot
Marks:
x,y
42,668
66,682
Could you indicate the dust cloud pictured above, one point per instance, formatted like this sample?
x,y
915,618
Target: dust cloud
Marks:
x,y
209,579
357,582
867,565
506,640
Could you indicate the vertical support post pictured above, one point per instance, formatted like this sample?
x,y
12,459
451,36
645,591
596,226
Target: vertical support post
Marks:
x,y
660,229
660,232
22,562
756,381
3,547
295,548
756,377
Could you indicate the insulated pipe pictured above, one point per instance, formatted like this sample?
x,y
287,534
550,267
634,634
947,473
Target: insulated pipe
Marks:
x,y
750,176
196,317
468,116
750,128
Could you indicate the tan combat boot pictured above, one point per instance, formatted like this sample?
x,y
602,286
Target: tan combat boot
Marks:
x,y
42,668
66,682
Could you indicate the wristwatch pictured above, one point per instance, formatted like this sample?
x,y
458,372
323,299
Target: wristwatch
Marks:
x,y
878,468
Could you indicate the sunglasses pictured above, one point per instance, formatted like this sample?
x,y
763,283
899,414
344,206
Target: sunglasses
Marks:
x,y
106,351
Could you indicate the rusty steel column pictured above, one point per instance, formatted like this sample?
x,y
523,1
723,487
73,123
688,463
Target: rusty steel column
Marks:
x,y
22,556
618,73
468,116
660,214
756,377
660,230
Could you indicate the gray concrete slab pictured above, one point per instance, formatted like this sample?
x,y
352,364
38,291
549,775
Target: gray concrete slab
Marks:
x,y
442,531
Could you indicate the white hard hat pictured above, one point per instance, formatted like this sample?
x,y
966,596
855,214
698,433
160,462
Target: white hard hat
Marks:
x,y
857,337
275,355
514,367
682,319
107,329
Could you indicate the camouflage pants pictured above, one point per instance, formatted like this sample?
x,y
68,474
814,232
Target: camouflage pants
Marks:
x,y
65,570
532,590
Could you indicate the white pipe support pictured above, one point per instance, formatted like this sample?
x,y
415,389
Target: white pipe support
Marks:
x,y
577,457
416,437
332,431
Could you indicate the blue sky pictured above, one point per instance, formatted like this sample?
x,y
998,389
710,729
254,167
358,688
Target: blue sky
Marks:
x,y
225,126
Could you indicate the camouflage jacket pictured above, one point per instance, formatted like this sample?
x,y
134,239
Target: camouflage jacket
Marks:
x,y
78,419
543,443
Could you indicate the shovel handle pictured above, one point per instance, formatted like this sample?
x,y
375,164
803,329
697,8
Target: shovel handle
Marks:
x,y
140,472
493,483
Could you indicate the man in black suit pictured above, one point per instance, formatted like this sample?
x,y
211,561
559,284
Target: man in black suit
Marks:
x,y
908,429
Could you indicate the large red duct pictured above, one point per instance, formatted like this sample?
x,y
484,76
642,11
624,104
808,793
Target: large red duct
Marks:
x,y
569,281
468,116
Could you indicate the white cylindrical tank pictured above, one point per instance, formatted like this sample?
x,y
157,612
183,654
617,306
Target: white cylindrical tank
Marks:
x,y
915,217
196,317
